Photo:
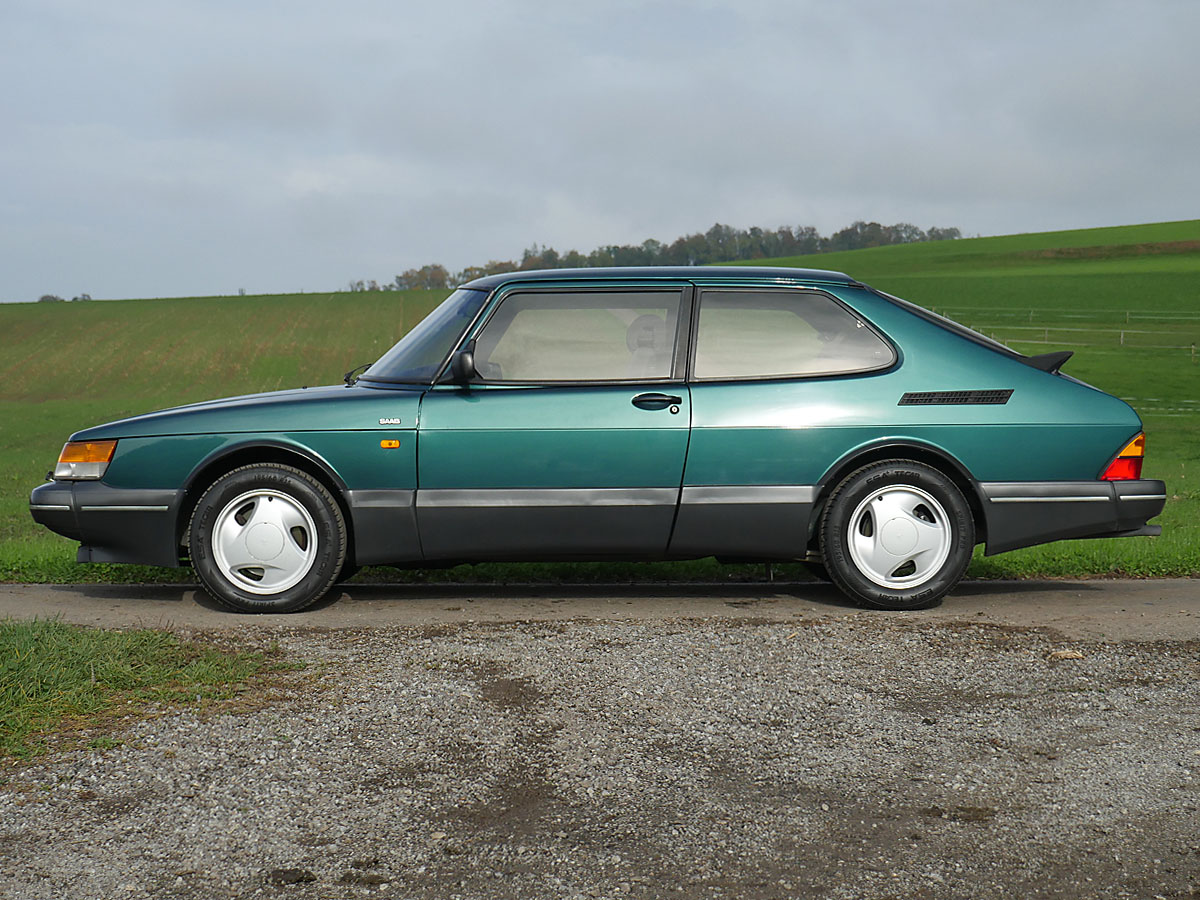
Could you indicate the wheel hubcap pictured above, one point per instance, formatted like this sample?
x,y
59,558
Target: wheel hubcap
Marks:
x,y
264,542
899,537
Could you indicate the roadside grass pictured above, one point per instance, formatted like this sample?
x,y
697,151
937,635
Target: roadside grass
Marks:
x,y
57,678
1126,299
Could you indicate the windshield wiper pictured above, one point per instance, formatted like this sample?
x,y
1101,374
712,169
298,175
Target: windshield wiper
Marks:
x,y
352,376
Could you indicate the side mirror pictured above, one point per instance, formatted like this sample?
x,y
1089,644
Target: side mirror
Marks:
x,y
462,365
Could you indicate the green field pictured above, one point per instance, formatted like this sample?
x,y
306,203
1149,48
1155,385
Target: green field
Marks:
x,y
1127,300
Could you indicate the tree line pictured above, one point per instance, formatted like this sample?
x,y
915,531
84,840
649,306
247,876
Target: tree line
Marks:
x,y
721,243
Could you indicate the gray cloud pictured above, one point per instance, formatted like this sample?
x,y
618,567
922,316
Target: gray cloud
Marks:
x,y
157,149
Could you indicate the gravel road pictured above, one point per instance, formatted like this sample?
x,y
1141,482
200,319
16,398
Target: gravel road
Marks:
x,y
751,741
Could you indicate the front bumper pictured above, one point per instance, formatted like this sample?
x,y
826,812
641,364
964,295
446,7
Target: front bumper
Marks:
x,y
1024,513
112,524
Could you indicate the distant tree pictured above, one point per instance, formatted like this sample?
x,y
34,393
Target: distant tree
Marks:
x,y
81,298
943,234
858,236
534,258
51,298
904,233
808,239
721,243
493,267
433,277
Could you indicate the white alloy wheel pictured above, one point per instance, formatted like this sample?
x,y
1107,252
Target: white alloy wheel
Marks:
x,y
264,541
899,537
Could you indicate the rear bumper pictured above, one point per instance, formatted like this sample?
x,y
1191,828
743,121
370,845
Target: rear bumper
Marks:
x,y
111,524
1024,513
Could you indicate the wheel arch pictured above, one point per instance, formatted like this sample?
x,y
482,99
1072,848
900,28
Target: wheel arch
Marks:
x,y
905,449
225,460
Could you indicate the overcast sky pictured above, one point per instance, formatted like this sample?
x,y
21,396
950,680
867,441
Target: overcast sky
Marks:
x,y
159,148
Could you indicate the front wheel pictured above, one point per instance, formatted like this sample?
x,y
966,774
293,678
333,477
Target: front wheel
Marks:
x,y
897,535
267,538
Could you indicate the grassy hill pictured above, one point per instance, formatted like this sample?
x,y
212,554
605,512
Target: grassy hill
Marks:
x,y
1126,299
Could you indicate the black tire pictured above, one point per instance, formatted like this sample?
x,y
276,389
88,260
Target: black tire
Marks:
x,y
917,551
275,515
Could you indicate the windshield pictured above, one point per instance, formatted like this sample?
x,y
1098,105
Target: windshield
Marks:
x,y
416,358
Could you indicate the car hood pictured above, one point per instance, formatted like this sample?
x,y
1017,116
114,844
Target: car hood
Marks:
x,y
329,408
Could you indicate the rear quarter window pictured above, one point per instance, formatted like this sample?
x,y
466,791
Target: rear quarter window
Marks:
x,y
781,333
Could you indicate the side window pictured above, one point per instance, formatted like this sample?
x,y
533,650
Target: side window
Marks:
x,y
777,333
580,336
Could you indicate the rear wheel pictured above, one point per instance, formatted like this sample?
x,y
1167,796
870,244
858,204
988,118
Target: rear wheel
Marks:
x,y
267,538
897,535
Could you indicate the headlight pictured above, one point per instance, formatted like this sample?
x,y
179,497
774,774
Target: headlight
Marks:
x,y
84,460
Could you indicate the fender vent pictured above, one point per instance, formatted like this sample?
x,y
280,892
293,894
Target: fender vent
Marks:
x,y
954,398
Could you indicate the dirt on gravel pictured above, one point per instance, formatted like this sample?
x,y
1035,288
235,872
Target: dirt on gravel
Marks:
x,y
767,750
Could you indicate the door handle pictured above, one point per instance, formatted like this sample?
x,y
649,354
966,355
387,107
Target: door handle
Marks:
x,y
655,400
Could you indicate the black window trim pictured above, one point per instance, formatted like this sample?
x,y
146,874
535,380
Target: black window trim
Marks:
x,y
686,291
775,288
440,371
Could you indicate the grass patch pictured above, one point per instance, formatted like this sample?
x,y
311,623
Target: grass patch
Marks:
x,y
56,677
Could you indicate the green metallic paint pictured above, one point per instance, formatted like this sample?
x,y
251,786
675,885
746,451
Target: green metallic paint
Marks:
x,y
561,437
769,432
331,408
356,457
795,431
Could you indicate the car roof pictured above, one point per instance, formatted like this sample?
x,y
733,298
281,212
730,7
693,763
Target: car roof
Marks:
x,y
675,273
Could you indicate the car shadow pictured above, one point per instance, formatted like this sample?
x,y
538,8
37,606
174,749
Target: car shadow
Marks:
x,y
982,587
740,594
735,593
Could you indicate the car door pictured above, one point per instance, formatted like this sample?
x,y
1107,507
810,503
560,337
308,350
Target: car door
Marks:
x,y
570,440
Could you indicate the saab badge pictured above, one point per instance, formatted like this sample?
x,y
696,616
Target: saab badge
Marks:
x,y
389,421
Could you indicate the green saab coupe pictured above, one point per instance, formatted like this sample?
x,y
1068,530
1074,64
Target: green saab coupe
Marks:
x,y
742,413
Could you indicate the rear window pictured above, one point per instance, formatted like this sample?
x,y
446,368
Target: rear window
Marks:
x,y
782,333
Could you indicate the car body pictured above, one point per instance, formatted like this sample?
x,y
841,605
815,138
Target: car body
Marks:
x,y
654,413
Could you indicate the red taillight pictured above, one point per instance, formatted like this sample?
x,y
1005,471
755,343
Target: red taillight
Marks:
x,y
1123,469
1127,465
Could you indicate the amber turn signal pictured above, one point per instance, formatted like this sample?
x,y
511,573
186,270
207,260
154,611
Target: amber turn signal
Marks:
x,y
84,460
87,451
389,445
1127,465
